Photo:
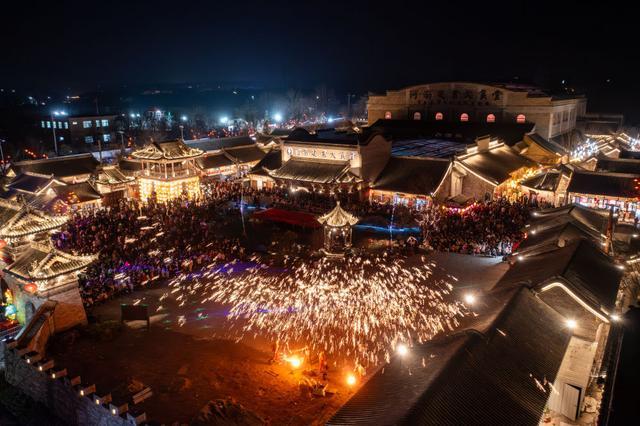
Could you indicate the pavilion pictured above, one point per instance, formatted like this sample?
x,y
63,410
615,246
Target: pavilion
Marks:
x,y
169,170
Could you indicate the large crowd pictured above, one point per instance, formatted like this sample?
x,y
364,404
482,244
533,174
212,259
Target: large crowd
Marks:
x,y
492,228
139,243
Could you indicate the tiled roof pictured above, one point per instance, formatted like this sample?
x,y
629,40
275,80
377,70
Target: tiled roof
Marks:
x,y
601,183
168,150
245,154
412,175
20,221
618,165
213,161
216,144
43,262
314,171
338,217
495,164
76,193
59,167
545,181
579,264
467,132
271,161
548,145
31,182
495,375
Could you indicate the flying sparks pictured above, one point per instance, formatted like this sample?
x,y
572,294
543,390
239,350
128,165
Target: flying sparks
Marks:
x,y
358,307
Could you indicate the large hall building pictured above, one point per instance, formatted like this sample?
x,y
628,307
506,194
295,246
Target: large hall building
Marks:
x,y
552,115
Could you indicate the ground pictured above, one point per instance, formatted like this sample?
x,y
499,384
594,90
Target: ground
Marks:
x,y
186,365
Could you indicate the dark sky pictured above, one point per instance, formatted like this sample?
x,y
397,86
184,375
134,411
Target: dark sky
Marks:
x,y
357,45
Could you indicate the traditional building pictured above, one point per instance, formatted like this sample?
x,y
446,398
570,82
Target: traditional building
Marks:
x,y
68,169
606,190
169,170
327,161
41,273
544,151
489,169
412,181
463,101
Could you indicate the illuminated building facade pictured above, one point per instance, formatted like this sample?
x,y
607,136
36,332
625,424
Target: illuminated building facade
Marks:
x,y
169,171
469,102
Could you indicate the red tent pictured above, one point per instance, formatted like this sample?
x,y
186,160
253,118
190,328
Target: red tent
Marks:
x,y
305,220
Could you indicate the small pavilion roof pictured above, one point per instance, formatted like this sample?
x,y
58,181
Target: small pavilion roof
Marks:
x,y
168,150
338,217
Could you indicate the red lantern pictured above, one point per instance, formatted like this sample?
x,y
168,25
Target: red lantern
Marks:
x,y
31,288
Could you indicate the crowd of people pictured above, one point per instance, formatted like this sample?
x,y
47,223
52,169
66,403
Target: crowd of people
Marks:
x,y
138,243
491,228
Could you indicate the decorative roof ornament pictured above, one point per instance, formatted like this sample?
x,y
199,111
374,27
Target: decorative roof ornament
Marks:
x,y
169,150
338,217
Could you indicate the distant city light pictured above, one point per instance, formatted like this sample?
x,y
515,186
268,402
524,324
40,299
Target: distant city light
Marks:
x,y
469,299
277,117
59,113
224,120
183,118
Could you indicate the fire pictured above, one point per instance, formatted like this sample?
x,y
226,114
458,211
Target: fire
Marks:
x,y
351,379
294,361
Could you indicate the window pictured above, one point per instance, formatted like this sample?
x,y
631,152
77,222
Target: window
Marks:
x,y
105,123
88,139
520,118
439,116
66,124
107,137
491,118
464,117
42,124
387,115
59,124
48,124
75,123
417,116
86,124
97,123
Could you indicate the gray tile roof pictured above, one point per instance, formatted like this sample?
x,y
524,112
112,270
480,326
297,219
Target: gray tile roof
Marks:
x,y
496,164
412,175
59,167
474,377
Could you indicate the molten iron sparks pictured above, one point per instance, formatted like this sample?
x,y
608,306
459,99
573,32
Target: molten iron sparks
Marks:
x,y
357,307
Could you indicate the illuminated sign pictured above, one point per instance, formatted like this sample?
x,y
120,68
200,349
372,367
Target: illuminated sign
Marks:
x,y
321,153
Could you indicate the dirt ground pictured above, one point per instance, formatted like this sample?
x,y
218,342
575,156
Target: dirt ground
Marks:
x,y
187,365
185,372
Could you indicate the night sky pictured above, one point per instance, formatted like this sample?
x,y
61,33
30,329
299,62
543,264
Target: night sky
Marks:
x,y
355,45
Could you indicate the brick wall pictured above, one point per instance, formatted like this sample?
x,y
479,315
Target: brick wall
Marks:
x,y
59,395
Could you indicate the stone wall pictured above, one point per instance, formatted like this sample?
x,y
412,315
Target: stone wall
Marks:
x,y
62,394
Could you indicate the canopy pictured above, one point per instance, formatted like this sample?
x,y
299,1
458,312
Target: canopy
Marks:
x,y
288,216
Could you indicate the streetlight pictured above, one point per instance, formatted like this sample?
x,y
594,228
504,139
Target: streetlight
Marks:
x,y
181,126
277,117
224,120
